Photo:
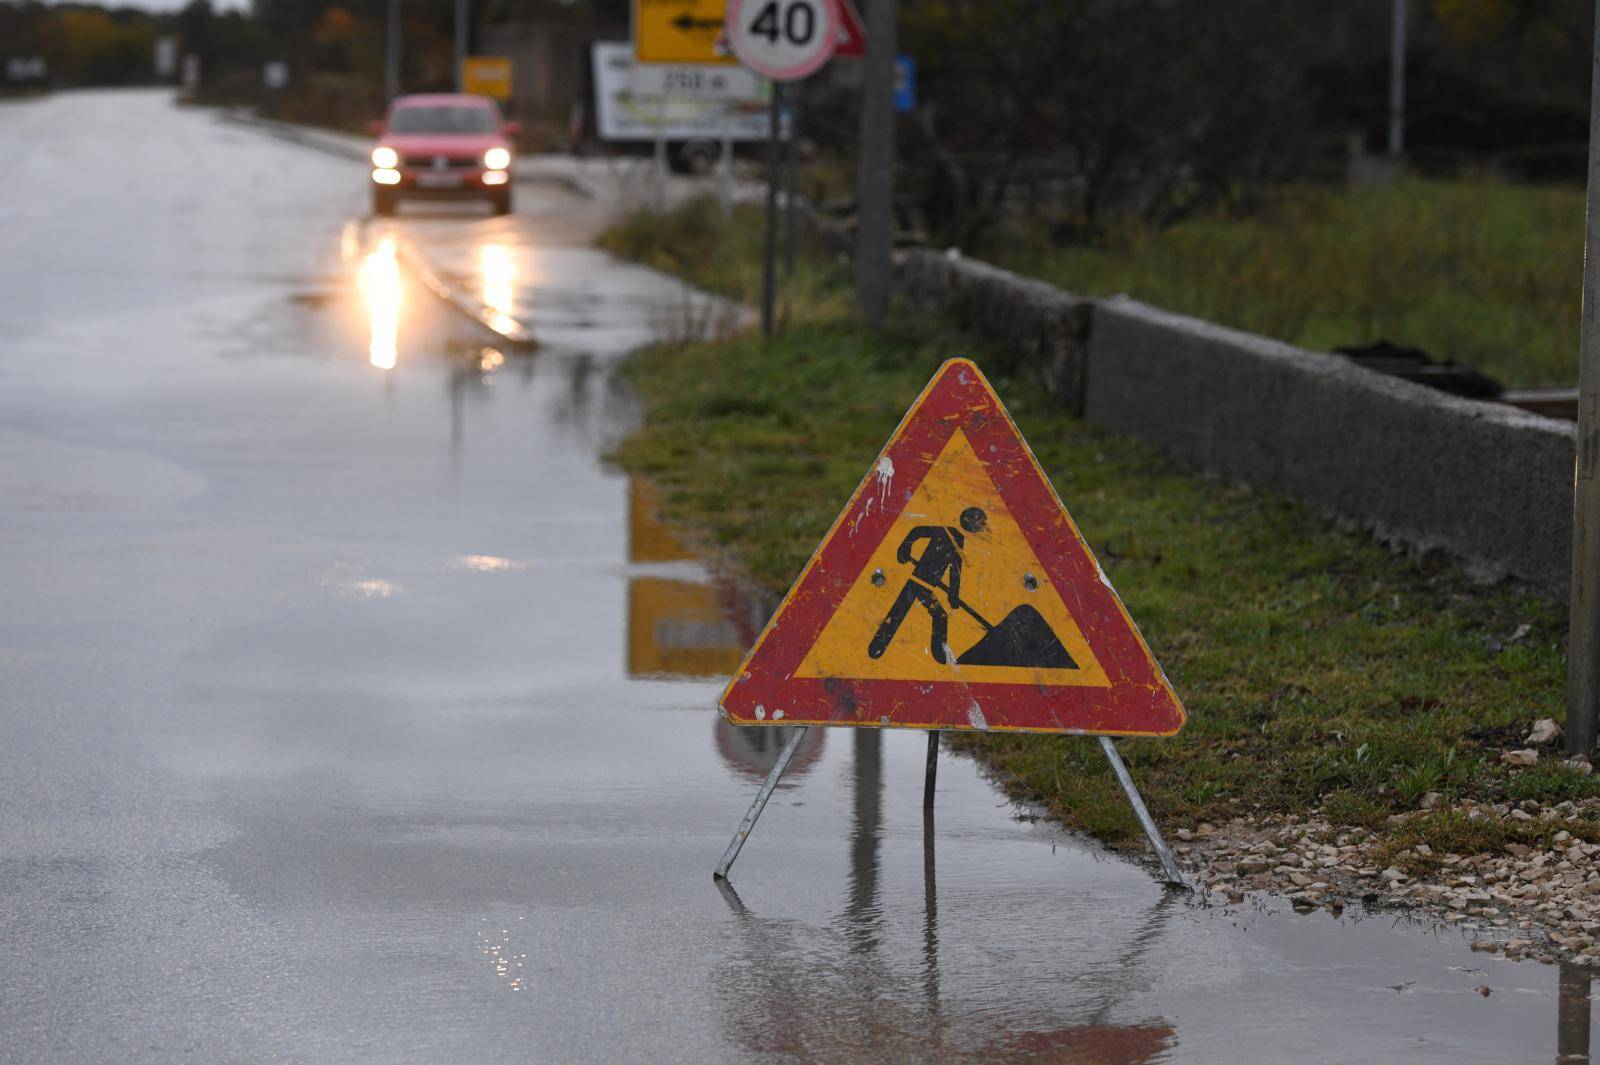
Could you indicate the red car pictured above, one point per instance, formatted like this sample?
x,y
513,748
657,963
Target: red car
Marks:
x,y
442,145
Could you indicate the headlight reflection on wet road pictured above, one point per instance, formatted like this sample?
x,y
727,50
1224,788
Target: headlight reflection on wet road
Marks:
x,y
380,284
499,274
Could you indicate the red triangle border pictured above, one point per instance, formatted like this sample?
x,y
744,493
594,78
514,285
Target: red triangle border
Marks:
x,y
1139,702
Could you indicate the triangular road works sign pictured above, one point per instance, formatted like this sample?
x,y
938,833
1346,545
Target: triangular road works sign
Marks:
x,y
955,592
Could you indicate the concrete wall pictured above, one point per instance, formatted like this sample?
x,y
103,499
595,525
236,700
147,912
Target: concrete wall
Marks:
x,y
1490,484
1043,328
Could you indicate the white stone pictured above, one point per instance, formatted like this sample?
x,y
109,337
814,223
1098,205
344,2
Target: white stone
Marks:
x,y
1544,731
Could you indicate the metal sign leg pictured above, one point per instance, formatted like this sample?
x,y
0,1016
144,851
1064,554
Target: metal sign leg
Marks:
x,y
933,770
1168,863
784,758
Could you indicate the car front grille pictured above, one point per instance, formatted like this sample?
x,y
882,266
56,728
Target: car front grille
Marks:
x,y
430,162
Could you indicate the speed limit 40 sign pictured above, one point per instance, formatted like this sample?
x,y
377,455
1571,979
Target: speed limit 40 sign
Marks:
x,y
782,39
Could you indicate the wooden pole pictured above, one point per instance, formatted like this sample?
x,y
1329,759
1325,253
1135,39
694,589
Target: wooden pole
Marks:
x,y
875,165
1583,638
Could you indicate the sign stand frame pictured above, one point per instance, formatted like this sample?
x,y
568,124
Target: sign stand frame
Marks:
x,y
767,787
1169,865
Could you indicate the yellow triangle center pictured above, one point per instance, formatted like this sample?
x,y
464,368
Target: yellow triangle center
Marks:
x,y
1006,624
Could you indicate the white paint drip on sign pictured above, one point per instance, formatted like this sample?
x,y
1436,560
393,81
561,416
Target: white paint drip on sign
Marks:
x,y
975,716
761,712
883,473
777,715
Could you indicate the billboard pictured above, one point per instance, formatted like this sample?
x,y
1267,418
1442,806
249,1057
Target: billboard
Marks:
x,y
622,113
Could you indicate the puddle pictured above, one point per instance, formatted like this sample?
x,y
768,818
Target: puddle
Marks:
x,y
996,953
967,964
521,735
386,730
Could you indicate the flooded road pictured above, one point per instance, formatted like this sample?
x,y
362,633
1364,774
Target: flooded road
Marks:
x,y
352,709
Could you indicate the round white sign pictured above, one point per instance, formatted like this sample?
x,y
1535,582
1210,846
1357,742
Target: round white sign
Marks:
x,y
782,39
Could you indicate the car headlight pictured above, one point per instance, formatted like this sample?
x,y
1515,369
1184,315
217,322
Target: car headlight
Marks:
x,y
385,158
496,158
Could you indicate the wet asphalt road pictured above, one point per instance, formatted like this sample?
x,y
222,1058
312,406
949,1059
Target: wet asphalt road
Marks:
x,y
343,713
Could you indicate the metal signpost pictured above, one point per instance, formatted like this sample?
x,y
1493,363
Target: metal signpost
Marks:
x,y
391,65
785,40
955,593
1397,80
1583,637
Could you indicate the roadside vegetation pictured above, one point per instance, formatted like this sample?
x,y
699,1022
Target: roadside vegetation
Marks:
x,y
1485,273
1320,670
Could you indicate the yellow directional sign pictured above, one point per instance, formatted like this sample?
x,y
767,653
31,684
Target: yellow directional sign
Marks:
x,y
487,75
679,31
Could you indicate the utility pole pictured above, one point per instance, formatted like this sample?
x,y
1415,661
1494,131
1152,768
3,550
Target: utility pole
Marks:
x,y
1583,633
1397,82
391,81
875,164
461,45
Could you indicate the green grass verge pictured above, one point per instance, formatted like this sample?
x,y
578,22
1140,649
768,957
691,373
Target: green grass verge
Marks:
x,y
1489,274
1319,669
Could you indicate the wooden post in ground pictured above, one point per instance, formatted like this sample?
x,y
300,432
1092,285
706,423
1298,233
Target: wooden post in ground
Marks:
x,y
875,164
1583,640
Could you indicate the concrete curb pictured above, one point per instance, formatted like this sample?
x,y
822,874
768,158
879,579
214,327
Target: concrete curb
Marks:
x,y
436,280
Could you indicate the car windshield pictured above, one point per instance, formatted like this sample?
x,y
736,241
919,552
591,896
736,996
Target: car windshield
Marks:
x,y
442,119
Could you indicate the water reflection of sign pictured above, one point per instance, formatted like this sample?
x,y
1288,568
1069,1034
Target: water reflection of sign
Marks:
x,y
754,751
676,627
679,629
940,598
1099,1044
649,538
623,113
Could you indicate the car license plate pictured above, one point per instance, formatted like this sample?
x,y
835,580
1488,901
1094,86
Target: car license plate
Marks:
x,y
438,181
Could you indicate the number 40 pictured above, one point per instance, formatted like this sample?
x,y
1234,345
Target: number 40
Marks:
x,y
798,24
